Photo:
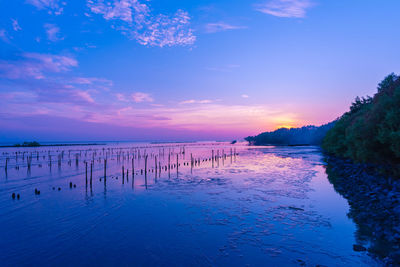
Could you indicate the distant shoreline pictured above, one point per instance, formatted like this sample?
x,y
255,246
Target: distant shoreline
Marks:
x,y
51,145
291,145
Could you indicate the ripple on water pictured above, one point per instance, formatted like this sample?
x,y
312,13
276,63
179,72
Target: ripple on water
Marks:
x,y
259,207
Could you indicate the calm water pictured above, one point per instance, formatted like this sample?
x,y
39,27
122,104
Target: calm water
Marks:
x,y
267,206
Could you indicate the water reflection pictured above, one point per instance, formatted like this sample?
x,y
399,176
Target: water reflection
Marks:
x,y
265,206
373,207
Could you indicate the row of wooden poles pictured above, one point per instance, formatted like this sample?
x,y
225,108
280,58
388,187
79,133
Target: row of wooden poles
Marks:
x,y
107,152
157,168
137,155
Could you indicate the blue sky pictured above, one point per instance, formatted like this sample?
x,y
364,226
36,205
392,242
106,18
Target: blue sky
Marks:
x,y
186,70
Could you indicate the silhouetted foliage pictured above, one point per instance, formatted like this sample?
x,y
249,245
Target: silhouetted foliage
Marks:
x,y
370,131
307,135
28,144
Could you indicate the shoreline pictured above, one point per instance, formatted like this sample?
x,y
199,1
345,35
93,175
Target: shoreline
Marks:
x,y
51,145
290,145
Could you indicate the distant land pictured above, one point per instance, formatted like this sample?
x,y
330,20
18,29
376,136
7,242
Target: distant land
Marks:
x,y
368,133
307,135
36,144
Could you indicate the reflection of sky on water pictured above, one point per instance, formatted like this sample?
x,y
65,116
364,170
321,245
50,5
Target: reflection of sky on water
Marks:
x,y
267,205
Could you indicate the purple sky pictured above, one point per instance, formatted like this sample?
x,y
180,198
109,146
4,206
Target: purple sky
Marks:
x,y
186,70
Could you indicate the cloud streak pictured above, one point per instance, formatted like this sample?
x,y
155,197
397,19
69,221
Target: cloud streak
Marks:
x,y
211,118
226,68
285,8
35,65
220,27
135,20
192,101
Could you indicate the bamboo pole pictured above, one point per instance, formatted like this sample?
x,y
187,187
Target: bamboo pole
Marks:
x,y
105,170
86,172
91,173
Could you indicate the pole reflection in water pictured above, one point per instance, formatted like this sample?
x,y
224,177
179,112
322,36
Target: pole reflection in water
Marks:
x,y
263,205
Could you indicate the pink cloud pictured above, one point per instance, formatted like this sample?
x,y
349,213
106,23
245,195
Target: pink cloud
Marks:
x,y
192,101
121,97
92,81
84,95
34,65
142,97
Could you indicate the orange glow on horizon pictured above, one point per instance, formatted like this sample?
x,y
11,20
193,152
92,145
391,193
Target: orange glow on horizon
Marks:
x,y
288,126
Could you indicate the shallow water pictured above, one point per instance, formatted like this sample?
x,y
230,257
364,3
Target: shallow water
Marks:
x,y
266,206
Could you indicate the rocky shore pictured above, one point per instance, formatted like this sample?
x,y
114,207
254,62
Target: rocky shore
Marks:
x,y
374,206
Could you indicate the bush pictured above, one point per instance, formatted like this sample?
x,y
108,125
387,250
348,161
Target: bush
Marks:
x,y
370,131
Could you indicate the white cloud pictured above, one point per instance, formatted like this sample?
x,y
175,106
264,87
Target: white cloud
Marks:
x,y
245,96
221,26
163,31
15,25
122,9
53,32
135,20
52,6
285,8
141,97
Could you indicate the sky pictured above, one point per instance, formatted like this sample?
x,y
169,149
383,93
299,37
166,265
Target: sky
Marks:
x,y
180,70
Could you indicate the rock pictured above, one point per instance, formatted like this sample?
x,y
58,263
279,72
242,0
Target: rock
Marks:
x,y
301,262
359,248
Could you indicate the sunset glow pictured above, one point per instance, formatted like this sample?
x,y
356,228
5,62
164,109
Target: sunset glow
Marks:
x,y
152,70
199,133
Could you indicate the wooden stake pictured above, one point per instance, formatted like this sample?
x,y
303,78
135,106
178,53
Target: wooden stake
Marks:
x,y
91,173
86,171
